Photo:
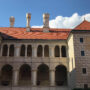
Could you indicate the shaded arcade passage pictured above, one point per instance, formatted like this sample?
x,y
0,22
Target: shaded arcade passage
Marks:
x,y
25,75
43,75
6,75
61,75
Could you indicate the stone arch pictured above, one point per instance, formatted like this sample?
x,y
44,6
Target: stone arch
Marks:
x,y
6,75
57,51
29,50
5,50
39,51
46,51
63,51
11,50
25,75
43,75
22,50
61,75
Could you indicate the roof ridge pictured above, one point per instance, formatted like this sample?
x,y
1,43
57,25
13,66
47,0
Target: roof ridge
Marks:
x,y
82,23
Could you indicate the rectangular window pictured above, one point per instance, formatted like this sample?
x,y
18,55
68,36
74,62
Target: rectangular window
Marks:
x,y
82,53
81,40
84,70
85,86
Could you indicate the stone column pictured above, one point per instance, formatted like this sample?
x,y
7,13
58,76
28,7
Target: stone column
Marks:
x,y
60,52
42,51
15,77
51,51
17,50
25,50
34,77
34,51
52,77
8,50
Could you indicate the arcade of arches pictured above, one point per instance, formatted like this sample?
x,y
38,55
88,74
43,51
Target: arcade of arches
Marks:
x,y
40,51
26,76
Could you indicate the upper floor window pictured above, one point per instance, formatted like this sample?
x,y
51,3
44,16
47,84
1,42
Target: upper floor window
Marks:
x,y
5,50
57,51
22,51
84,70
46,51
39,51
63,51
82,53
11,50
81,40
29,50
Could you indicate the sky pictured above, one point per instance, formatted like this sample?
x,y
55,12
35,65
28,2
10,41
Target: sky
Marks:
x,y
63,13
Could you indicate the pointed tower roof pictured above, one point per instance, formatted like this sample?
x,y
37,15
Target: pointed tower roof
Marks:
x,y
85,25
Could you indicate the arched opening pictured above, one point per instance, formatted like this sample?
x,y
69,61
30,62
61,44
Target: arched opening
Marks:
x,y
63,51
6,75
61,75
57,51
25,75
11,50
29,51
43,75
46,51
22,52
5,50
39,51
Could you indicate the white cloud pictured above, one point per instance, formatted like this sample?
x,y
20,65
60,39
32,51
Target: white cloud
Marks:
x,y
37,26
67,22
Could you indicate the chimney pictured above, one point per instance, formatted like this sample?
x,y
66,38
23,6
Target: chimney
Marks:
x,y
12,20
46,22
28,17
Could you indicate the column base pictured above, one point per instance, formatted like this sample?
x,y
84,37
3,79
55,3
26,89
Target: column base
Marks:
x,y
52,85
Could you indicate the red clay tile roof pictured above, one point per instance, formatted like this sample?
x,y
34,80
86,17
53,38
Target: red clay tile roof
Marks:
x,y
85,25
35,33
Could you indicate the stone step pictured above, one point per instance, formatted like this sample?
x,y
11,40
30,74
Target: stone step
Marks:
x,y
34,88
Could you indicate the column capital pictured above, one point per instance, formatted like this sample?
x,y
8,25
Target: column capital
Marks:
x,y
8,45
51,69
34,70
17,45
34,46
51,46
15,69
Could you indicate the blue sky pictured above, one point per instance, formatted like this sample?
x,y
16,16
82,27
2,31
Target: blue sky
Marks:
x,y
19,8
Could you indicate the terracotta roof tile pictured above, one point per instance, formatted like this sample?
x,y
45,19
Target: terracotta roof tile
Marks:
x,y
85,25
36,33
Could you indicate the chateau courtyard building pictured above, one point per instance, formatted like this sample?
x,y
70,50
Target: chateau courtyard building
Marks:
x,y
44,58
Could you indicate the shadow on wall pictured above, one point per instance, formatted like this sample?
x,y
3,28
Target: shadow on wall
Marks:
x,y
72,79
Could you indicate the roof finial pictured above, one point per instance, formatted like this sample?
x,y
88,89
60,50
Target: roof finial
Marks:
x,y
84,18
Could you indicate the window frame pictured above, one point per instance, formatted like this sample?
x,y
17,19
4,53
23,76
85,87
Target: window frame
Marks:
x,y
81,40
82,53
84,70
